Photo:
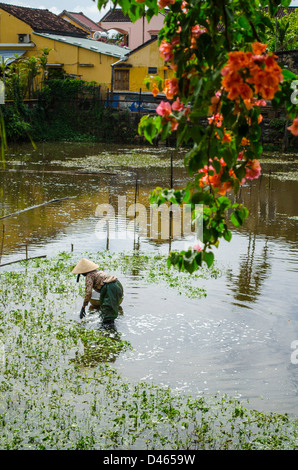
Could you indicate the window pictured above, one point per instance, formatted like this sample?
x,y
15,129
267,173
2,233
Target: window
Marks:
x,y
121,79
152,69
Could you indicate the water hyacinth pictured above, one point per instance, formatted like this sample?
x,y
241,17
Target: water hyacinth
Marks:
x,y
60,390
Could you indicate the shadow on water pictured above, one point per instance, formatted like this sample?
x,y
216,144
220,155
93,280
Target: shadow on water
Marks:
x,y
236,340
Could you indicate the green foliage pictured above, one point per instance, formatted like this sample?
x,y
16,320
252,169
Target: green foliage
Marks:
x,y
283,32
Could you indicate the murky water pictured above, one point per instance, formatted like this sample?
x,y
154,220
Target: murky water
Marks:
x,y
236,340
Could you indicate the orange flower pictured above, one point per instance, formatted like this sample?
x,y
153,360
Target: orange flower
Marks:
x,y
164,3
258,69
239,60
227,137
171,88
244,141
211,178
258,48
294,127
246,92
155,91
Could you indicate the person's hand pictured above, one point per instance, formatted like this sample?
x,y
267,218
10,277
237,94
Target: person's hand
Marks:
x,y
82,313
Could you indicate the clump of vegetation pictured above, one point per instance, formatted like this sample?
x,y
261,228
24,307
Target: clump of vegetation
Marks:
x,y
60,390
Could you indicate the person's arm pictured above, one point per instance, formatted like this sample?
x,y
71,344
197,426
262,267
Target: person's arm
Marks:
x,y
88,293
88,289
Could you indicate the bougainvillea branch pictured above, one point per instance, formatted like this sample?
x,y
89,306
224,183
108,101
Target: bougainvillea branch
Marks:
x,y
220,77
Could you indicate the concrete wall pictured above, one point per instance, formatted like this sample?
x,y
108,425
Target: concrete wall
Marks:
x,y
140,61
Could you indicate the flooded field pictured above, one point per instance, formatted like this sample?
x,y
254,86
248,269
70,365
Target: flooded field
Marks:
x,y
234,332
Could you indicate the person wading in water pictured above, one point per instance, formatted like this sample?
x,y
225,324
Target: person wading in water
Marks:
x,y
109,287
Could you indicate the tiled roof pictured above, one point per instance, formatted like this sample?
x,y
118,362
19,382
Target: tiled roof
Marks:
x,y
43,20
82,20
90,44
115,16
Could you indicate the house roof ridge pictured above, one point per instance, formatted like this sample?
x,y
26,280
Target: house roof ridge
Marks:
x,y
42,20
143,45
74,15
116,11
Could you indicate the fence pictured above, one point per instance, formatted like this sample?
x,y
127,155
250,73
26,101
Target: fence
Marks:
x,y
139,102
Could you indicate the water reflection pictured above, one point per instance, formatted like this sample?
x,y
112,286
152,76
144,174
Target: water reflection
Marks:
x,y
236,340
253,270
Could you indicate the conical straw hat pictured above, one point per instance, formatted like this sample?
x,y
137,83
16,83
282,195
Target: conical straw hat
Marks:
x,y
84,266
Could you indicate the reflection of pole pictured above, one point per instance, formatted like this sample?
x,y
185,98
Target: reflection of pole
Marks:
x,y
108,235
2,243
140,97
135,215
171,212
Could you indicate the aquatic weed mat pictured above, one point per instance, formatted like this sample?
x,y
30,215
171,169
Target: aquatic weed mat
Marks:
x,y
59,389
128,158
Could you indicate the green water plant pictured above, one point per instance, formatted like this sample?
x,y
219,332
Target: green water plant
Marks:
x,y
60,389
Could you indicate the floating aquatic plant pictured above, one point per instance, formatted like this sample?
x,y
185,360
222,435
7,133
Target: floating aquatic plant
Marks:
x,y
59,389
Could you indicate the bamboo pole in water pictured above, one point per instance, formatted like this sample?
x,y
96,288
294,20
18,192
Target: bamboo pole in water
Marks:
x,y
2,243
34,207
20,260
135,216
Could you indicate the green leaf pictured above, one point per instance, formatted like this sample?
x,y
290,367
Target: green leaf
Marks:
x,y
227,235
288,75
208,257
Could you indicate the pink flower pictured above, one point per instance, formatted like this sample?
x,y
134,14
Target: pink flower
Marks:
x,y
166,51
164,109
197,30
217,119
252,169
197,248
177,105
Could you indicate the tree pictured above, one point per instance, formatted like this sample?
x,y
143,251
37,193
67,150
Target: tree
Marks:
x,y
223,75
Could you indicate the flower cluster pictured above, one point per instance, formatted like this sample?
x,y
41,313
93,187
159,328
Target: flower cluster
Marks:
x,y
165,109
250,74
212,178
171,88
166,50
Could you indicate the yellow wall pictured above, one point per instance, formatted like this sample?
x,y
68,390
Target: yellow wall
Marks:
x,y
69,55
70,20
10,27
147,56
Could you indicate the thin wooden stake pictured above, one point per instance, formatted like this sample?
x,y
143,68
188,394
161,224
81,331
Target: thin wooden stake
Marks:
x,y
2,243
